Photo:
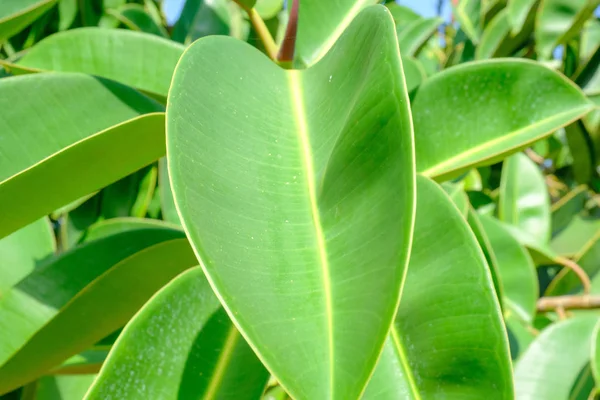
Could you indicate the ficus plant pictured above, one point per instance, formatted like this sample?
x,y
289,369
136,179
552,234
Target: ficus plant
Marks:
x,y
312,200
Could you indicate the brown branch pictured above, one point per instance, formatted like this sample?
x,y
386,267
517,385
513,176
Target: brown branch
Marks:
x,y
288,47
581,274
561,303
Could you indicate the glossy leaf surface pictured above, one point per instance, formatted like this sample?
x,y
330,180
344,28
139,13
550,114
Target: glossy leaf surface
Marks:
x,y
498,107
524,201
549,368
32,192
515,267
460,350
181,345
134,58
281,195
15,15
94,279
321,24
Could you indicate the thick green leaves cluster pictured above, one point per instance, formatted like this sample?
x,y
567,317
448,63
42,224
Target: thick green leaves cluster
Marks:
x,y
407,210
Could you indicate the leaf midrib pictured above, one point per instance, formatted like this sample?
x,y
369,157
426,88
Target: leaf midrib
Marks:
x,y
404,363
299,115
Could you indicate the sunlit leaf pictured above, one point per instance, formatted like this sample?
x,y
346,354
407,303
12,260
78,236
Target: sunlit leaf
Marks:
x,y
425,357
524,201
41,143
281,195
498,107
209,358
39,313
515,267
15,15
549,368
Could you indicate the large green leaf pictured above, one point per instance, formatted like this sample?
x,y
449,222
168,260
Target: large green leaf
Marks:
x,y
38,315
549,368
321,24
22,251
42,143
559,21
524,201
515,267
460,350
134,58
488,109
209,359
282,189
16,15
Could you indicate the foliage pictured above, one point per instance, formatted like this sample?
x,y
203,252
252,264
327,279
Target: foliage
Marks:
x,y
333,200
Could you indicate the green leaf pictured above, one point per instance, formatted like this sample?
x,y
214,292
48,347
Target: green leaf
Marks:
x,y
169,212
572,240
268,9
498,107
201,18
16,15
515,267
34,191
129,196
63,387
426,356
281,195
549,368
39,313
133,58
209,359
469,16
413,73
458,196
559,21
67,11
414,36
524,201
520,334
595,364
488,251
321,25
565,209
402,15
22,251
518,13
135,17
581,144
497,39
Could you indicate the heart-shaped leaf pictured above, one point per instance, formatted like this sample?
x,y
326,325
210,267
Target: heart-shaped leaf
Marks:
x,y
16,15
282,189
550,367
209,359
524,201
92,116
426,356
38,314
498,107
133,58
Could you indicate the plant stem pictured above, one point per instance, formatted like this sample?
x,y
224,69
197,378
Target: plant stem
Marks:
x,y
581,274
288,47
263,33
575,302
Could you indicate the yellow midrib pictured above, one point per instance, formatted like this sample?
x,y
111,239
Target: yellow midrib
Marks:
x,y
299,113
224,358
405,365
